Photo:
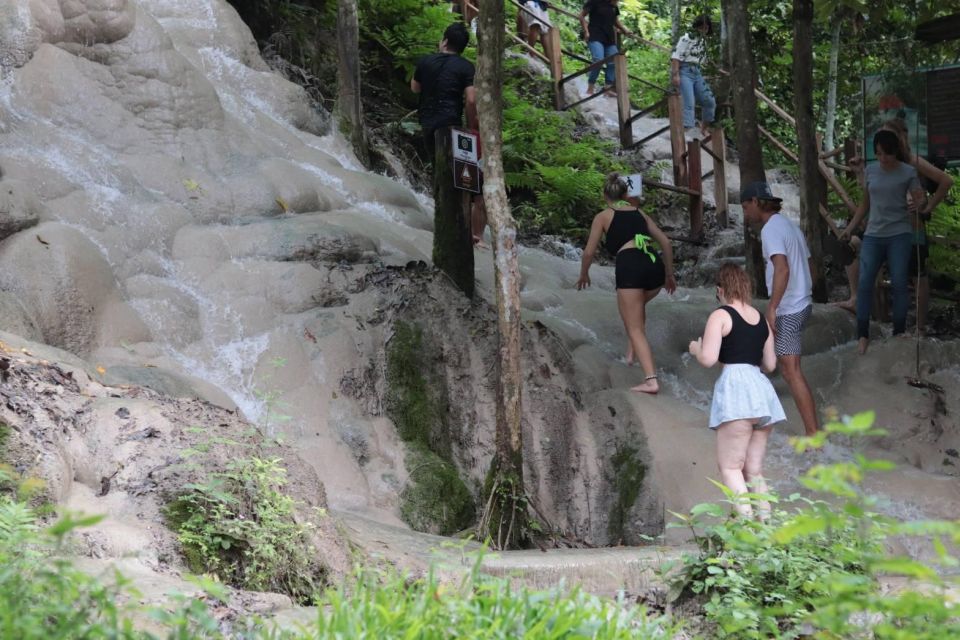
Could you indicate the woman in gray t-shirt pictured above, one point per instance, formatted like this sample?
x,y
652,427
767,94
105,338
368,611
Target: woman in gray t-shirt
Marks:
x,y
889,234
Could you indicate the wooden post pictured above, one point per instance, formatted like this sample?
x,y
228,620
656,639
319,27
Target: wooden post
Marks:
x,y
849,152
677,143
623,100
696,184
555,55
719,144
452,236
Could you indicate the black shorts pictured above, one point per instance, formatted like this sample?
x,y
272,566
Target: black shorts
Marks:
x,y
924,252
636,270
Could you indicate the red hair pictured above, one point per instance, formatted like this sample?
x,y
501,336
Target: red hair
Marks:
x,y
735,283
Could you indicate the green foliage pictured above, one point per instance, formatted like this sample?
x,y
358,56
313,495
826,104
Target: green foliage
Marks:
x,y
435,500
946,222
392,606
818,563
240,526
628,474
406,30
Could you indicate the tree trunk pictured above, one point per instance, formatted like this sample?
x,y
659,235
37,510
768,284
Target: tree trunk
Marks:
x,y
349,105
506,515
832,86
674,21
745,116
809,152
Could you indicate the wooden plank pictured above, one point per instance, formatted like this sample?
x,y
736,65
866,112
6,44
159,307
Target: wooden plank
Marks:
x,y
836,186
651,136
830,154
597,64
582,100
653,184
779,145
838,167
719,143
776,108
526,46
552,42
623,101
829,220
696,201
677,145
656,105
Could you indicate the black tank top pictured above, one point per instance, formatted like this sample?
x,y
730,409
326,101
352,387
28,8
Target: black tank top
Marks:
x,y
744,343
625,226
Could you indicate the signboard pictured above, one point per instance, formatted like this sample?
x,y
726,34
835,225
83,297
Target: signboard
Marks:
x,y
465,146
925,99
634,185
943,121
466,176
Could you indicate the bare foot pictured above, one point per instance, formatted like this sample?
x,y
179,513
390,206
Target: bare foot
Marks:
x,y
862,345
629,356
591,89
650,386
480,244
847,305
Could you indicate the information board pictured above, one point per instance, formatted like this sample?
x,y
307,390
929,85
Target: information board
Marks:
x,y
943,113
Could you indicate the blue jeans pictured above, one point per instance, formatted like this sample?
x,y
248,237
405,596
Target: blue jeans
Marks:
x,y
874,251
694,90
599,51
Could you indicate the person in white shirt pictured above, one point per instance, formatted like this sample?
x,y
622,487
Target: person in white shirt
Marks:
x,y
685,62
790,286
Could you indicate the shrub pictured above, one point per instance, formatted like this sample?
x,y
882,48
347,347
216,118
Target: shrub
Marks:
x,y
240,526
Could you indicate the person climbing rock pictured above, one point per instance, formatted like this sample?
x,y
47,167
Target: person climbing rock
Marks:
x,y
600,34
745,405
889,235
685,74
790,286
444,81
640,270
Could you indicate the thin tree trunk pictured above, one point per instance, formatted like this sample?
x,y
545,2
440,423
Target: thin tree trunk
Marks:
x,y
508,520
349,103
745,115
810,220
828,135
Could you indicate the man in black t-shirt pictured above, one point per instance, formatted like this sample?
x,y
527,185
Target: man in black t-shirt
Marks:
x,y
601,37
444,81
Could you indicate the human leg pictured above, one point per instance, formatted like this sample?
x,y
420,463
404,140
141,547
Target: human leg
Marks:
x,y
753,467
596,55
898,262
609,70
704,97
687,96
733,440
800,390
872,251
478,218
533,35
631,303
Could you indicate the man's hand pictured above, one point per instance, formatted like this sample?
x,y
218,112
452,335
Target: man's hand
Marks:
x,y
583,282
772,318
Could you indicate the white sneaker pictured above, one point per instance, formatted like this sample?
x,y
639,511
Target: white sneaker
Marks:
x,y
692,133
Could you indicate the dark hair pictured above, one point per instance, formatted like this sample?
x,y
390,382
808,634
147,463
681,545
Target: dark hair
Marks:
x,y
889,142
701,21
735,283
457,37
615,187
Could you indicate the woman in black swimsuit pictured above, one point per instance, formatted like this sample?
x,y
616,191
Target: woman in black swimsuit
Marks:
x,y
640,270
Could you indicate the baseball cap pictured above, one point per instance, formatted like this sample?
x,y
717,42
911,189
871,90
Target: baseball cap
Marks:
x,y
759,190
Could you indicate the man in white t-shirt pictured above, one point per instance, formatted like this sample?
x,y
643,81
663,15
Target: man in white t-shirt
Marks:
x,y
790,286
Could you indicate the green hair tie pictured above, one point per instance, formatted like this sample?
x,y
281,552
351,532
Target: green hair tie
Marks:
x,y
641,241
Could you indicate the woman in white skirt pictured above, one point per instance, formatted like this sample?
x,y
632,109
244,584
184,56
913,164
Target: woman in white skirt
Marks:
x,y
744,402
534,18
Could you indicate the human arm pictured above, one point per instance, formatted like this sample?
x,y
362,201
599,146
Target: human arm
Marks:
x,y
415,86
622,29
596,230
944,184
584,25
470,103
781,276
707,349
857,218
667,249
769,354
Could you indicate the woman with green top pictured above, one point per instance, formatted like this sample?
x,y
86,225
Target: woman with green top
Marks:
x,y
640,270
889,235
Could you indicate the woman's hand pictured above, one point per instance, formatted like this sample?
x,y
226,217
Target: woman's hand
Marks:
x,y
671,284
695,347
583,282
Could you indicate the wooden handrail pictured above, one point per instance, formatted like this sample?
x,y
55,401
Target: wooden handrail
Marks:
x,y
779,145
597,64
526,46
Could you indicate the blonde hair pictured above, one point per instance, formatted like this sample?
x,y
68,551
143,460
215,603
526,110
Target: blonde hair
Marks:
x,y
735,283
615,187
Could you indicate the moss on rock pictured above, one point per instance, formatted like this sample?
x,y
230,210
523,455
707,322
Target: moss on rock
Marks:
x,y
628,474
435,499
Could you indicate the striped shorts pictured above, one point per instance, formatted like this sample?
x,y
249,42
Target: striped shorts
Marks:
x,y
788,338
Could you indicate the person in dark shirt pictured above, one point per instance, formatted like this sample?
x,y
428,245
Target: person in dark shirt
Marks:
x,y
601,37
444,81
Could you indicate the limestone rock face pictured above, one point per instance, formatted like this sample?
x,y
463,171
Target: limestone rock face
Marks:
x,y
19,208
